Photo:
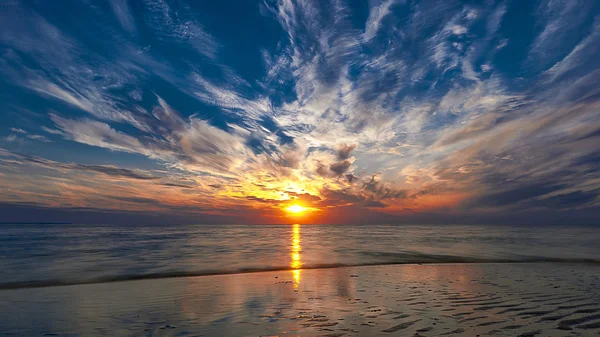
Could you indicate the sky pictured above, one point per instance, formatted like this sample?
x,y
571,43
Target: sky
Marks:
x,y
159,111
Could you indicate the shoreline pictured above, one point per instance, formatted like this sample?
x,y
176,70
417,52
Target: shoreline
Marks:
x,y
176,275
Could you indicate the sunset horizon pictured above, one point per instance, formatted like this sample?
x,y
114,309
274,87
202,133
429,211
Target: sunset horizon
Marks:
x,y
373,113
318,168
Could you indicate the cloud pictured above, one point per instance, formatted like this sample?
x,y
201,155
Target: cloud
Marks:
x,y
40,138
303,196
410,106
87,100
579,57
13,137
177,185
348,197
519,176
99,134
66,77
340,167
123,14
561,21
208,146
376,16
181,26
52,131
18,130
378,190
262,200
344,151
374,203
104,169
192,145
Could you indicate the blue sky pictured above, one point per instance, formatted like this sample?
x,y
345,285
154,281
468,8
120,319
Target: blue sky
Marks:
x,y
358,110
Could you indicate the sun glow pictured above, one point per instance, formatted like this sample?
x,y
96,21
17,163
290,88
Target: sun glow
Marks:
x,y
296,209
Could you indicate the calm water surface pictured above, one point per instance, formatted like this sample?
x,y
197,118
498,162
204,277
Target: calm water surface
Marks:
x,y
55,254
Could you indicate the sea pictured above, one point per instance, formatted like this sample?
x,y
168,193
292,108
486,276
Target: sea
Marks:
x,y
38,255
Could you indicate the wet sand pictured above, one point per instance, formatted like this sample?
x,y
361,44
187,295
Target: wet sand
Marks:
x,y
537,299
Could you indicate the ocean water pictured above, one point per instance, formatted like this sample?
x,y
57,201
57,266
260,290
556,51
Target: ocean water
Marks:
x,y
51,254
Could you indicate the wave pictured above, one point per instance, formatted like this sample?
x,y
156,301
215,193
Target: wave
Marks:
x,y
391,259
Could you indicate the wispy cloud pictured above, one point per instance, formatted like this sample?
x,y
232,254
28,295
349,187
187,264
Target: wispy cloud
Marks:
x,y
558,23
179,25
123,14
99,134
417,107
17,130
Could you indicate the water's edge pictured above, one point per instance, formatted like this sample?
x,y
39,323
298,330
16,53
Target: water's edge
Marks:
x,y
181,274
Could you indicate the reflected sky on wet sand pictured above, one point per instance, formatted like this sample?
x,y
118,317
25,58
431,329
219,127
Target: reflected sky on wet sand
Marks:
x,y
355,301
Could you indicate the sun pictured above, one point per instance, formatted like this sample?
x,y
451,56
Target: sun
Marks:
x,y
295,209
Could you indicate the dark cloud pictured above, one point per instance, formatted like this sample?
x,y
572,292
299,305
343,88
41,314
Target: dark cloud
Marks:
x,y
114,171
379,191
138,200
263,200
517,195
338,198
28,212
374,203
104,169
322,170
344,150
566,201
176,185
541,194
303,196
432,188
340,167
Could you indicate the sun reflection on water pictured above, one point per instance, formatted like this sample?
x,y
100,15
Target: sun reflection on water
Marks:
x,y
296,263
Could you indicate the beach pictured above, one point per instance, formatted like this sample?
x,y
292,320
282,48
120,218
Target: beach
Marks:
x,y
318,168
496,299
299,280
